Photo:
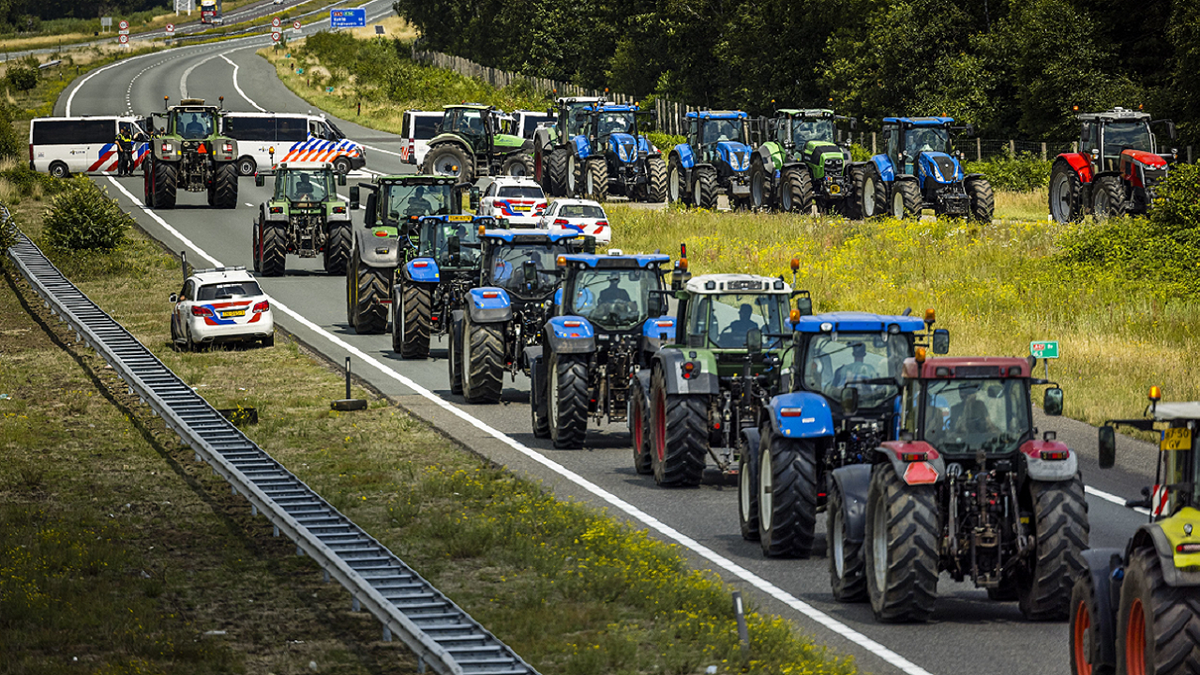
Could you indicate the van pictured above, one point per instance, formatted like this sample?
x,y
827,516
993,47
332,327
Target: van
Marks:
x,y
295,138
417,128
527,121
61,146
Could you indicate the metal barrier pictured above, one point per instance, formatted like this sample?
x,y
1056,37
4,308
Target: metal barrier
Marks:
x,y
438,631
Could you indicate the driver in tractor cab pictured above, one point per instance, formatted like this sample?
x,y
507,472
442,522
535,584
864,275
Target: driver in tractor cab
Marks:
x,y
856,370
418,205
920,140
717,131
972,416
744,322
613,124
197,127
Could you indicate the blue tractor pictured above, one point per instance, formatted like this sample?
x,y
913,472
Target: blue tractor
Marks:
x,y
604,323
919,169
714,159
609,155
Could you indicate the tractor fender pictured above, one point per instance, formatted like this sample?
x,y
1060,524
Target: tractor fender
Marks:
x,y
455,139
927,471
537,384
334,217
800,414
1102,174
1080,163
269,217
970,176
1039,468
883,164
583,149
377,251
703,380
753,440
684,152
422,270
570,335
489,305
853,481
658,331
1101,564
643,378
770,155
1179,569
646,148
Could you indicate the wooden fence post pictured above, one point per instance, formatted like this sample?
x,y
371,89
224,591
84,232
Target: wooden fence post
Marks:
x,y
1012,147
978,149
1043,151
874,144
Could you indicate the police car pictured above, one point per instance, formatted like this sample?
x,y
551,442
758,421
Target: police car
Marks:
x,y
584,216
221,304
517,199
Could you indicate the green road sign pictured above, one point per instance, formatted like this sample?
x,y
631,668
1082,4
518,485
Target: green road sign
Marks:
x,y
1045,349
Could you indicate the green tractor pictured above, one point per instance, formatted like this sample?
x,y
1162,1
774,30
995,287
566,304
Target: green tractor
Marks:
x,y
191,155
305,216
389,236
802,165
470,144
1138,610
552,148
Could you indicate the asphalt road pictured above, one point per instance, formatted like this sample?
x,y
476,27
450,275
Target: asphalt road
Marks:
x,y
968,633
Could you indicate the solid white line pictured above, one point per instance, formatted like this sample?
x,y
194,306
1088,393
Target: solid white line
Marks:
x,y
653,523
249,204
1113,498
371,147
239,89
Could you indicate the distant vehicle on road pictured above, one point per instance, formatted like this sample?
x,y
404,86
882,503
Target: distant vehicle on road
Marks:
x,y
221,304
292,138
578,215
210,12
519,200
61,146
418,127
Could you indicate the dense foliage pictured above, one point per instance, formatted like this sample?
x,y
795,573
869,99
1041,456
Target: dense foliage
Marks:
x,y
22,78
1023,173
83,217
1013,68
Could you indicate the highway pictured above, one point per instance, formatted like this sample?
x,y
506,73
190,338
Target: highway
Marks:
x,y
968,633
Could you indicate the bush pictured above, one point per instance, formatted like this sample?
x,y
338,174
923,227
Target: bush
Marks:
x,y
1022,173
23,178
1177,200
22,78
10,144
8,236
83,218
664,142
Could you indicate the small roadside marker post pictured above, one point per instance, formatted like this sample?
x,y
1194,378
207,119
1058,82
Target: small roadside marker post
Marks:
x,y
348,403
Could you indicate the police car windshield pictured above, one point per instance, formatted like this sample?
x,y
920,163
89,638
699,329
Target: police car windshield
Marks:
x,y
507,268
614,299
926,139
804,131
193,125
305,185
716,131
1121,135
225,290
965,416
581,211
725,319
833,364
404,201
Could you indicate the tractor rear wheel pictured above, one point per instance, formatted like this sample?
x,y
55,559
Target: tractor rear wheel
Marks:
x,y
255,248
901,547
595,178
1061,535
787,496
1157,624
797,191
539,414
410,320
519,164
847,567
574,175
656,172
748,510
556,167
760,187
483,361
639,426
166,182
677,189
337,248
1085,628
679,428
225,186
1066,202
454,357
274,250
870,195
705,189
449,159
1108,198
567,396
906,199
983,202
370,291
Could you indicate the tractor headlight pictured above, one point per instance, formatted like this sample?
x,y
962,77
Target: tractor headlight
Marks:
x,y
623,152
833,167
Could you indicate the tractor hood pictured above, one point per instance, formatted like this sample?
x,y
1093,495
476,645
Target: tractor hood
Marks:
x,y
939,166
736,155
822,150
1147,159
507,141
624,146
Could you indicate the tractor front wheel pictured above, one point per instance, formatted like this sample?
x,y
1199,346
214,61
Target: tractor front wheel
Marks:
x,y
639,426
568,400
1157,624
454,357
901,547
656,172
255,246
411,320
797,194
1066,202
1108,198
677,189
1085,628
847,567
273,244
337,249
679,428
556,167
595,178
519,164
705,190
225,186
483,361
870,195
787,496
906,199
748,509
449,159
760,187
1061,536
983,202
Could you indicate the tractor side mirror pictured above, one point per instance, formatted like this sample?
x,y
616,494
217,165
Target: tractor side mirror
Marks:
x,y
969,129
174,298
372,208
259,180
474,198
850,400
804,305
354,196
454,249
655,305
941,341
1052,402
589,244
754,340
529,269
1108,447
341,180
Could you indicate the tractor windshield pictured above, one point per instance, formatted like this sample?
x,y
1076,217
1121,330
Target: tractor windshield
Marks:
x,y
1119,136
614,299
836,361
965,416
437,242
307,186
616,123
404,201
507,268
725,319
717,131
805,130
926,139
194,125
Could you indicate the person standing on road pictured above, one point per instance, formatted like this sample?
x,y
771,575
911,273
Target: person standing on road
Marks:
x,y
124,152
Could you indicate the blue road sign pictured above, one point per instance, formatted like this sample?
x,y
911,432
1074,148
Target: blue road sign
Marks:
x,y
347,18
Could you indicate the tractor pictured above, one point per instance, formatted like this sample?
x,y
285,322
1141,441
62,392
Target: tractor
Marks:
x,y
608,153
500,329
967,488
604,322
191,154
920,169
470,144
714,159
394,207
1115,170
801,165
1138,610
552,142
305,216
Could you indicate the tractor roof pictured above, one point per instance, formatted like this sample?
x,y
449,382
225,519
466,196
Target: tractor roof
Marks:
x,y
419,180
530,236
579,99
618,260
858,322
967,367
804,112
1115,115
613,107
1177,411
308,166
717,115
920,121
714,284
472,106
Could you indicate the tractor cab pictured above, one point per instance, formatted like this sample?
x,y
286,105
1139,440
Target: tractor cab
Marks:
x,y
1115,139
921,146
615,293
452,243
571,114
399,202
475,123
191,120
303,183
721,136
1177,483
524,263
614,129
796,129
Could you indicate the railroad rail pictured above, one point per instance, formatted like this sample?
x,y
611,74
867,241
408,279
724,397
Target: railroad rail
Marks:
x,y
430,624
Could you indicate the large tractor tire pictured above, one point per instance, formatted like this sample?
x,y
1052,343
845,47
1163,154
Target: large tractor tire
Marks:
x,y
704,191
761,197
539,412
1066,193
677,188
449,159
983,201
1061,532
679,429
520,164
1108,198
639,428
748,508
483,361
796,191
847,566
574,183
225,186
906,199
1087,617
656,175
369,291
337,249
595,179
901,542
567,395
274,250
556,166
411,323
166,182
1158,626
454,357
870,195
787,496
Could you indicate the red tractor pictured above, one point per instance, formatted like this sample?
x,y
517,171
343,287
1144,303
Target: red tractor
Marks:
x,y
1115,170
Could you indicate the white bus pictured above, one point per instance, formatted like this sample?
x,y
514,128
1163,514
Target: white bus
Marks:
x,y
295,138
61,146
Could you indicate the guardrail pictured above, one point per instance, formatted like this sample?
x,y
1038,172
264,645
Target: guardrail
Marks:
x,y
438,631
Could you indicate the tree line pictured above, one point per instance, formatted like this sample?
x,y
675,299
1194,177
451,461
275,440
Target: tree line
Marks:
x,y
1013,68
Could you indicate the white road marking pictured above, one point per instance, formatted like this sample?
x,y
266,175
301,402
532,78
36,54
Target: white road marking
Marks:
x,y
183,92
239,89
371,147
249,204
634,512
1114,499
